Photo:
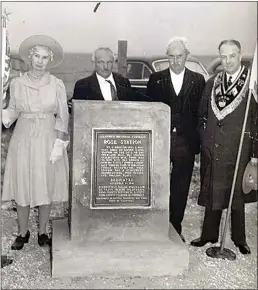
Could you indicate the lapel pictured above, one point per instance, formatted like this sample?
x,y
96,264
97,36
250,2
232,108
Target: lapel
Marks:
x,y
186,86
168,86
96,88
118,86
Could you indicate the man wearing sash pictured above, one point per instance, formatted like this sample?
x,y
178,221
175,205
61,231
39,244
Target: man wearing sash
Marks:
x,y
221,112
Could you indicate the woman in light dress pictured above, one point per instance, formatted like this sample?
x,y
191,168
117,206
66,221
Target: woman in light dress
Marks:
x,y
36,172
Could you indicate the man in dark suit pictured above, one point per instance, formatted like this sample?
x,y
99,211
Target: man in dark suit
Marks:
x,y
104,84
181,89
222,111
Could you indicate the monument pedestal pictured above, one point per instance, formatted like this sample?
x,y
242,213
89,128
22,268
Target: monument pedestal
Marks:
x,y
118,220
118,258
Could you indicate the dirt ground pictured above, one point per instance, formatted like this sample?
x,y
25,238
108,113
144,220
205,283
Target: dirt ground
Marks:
x,y
31,268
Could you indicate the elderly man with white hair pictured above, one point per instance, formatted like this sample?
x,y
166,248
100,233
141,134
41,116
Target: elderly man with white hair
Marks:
x,y
181,89
104,84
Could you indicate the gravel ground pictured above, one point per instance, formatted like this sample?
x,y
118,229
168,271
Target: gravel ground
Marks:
x,y
31,268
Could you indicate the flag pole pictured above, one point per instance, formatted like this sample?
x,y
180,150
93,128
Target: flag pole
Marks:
x,y
5,261
3,48
5,72
222,252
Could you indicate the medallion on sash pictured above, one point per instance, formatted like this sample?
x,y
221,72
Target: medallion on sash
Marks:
x,y
225,99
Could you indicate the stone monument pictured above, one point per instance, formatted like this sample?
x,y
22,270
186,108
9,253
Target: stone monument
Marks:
x,y
118,220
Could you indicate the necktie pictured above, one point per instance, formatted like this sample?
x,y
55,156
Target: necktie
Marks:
x,y
113,91
229,81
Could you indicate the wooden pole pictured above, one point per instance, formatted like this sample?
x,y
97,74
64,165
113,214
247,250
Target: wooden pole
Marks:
x,y
122,57
3,50
236,171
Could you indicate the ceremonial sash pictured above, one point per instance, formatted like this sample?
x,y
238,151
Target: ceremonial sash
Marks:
x,y
224,100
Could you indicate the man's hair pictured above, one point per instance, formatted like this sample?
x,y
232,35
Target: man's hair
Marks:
x,y
181,39
107,49
230,41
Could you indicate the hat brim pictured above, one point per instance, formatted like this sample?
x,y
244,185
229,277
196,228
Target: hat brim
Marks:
x,y
42,40
246,186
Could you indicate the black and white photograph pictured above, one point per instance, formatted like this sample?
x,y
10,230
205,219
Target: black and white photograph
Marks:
x,y
129,145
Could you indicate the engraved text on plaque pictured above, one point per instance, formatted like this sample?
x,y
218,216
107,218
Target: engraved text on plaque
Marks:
x,y
121,168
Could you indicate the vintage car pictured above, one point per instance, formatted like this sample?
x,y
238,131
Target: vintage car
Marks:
x,y
215,66
140,68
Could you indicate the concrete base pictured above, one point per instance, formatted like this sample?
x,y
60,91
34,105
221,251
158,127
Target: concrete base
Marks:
x,y
145,258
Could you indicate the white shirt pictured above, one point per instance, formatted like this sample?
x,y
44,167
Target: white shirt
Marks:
x,y
105,86
234,75
177,80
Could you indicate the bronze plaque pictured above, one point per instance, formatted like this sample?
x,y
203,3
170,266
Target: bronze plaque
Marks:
x,y
121,169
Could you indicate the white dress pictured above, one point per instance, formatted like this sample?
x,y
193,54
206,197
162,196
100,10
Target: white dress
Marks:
x,y
30,178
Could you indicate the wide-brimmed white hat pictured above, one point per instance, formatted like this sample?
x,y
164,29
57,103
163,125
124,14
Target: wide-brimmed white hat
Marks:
x,y
248,183
43,40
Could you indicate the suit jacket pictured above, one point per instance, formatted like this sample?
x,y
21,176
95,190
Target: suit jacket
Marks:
x,y
160,89
219,148
89,89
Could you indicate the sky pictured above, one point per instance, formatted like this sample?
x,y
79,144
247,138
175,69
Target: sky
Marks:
x,y
147,26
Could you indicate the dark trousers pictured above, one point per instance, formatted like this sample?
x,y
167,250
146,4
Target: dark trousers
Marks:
x,y
211,225
182,160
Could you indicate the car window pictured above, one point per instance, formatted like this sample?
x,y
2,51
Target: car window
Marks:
x,y
134,70
192,65
160,65
146,72
195,66
137,70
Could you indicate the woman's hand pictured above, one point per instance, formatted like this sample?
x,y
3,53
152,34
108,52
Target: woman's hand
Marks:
x,y
6,120
58,150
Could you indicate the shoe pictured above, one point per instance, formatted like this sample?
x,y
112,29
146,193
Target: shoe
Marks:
x,y
182,238
5,261
44,240
20,241
243,248
201,242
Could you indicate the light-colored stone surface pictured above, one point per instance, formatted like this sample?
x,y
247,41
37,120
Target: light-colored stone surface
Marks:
x,y
118,241
117,115
144,258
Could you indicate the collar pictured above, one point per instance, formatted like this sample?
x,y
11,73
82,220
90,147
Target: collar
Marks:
x,y
177,75
103,80
25,79
234,75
